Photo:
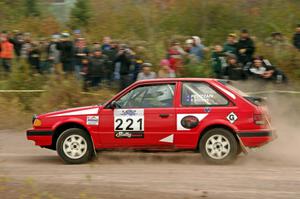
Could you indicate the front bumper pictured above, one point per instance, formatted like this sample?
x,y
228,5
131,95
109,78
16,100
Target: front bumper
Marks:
x,y
40,137
256,138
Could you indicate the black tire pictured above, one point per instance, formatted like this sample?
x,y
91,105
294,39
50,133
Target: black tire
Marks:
x,y
208,149
86,151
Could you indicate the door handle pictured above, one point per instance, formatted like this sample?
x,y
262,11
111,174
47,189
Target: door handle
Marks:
x,y
163,115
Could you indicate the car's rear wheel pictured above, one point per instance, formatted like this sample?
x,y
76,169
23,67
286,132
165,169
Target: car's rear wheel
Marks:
x,y
218,146
74,146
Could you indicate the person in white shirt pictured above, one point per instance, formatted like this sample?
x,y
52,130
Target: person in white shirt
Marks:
x,y
147,72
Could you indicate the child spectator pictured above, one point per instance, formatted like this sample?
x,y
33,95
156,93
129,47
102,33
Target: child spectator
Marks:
x,y
165,71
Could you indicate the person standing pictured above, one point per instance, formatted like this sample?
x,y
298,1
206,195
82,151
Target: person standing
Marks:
x,y
96,71
245,47
230,46
81,52
6,52
218,61
197,48
65,46
123,58
296,37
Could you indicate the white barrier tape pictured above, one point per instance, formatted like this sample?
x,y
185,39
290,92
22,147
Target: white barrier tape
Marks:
x,y
40,91
22,91
273,91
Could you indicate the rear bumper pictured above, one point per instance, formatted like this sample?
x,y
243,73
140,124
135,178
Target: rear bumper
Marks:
x,y
40,137
256,138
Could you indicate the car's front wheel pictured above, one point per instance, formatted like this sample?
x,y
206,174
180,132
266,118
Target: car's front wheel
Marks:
x,y
218,146
74,146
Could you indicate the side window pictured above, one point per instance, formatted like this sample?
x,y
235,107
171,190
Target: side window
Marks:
x,y
201,94
152,96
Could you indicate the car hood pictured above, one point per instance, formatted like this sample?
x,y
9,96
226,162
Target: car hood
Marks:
x,y
87,110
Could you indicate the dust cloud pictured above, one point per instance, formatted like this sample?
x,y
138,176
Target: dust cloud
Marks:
x,y
285,112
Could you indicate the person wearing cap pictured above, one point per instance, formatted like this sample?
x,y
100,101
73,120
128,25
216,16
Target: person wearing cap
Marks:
x,y
296,37
230,46
65,46
245,47
198,48
276,39
146,73
53,52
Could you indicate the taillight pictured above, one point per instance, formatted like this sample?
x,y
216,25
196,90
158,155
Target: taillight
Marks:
x,y
259,119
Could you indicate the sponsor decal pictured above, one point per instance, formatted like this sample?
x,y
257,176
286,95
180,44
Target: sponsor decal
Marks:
x,y
207,109
92,120
189,122
129,123
232,117
199,116
169,139
124,134
196,99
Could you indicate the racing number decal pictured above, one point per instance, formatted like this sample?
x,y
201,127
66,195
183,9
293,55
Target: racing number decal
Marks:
x,y
129,123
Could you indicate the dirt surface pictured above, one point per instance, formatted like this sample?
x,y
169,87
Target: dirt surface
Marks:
x,y
27,171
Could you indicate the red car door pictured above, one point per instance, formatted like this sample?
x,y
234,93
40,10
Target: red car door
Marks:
x,y
144,117
200,104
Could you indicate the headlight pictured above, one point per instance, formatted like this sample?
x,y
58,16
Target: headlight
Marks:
x,y
37,122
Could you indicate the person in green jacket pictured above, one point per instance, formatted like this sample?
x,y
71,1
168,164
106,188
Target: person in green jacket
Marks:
x,y
230,46
218,61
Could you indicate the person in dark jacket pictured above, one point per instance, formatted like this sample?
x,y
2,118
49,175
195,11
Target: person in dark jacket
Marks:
x,y
65,46
124,60
34,57
111,54
17,41
262,69
97,64
234,69
296,38
245,47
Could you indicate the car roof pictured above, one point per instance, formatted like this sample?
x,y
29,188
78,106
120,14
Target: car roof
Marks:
x,y
174,79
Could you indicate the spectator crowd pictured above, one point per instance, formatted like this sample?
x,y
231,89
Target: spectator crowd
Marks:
x,y
109,61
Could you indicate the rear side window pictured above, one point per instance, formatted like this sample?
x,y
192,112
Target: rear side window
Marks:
x,y
201,94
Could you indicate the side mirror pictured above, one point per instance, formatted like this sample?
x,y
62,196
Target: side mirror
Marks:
x,y
114,104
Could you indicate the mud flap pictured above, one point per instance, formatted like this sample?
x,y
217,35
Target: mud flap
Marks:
x,y
244,149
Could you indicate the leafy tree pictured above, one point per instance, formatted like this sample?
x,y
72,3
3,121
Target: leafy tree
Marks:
x,y
80,14
31,8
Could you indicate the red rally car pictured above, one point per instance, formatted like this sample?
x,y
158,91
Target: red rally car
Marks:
x,y
203,115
